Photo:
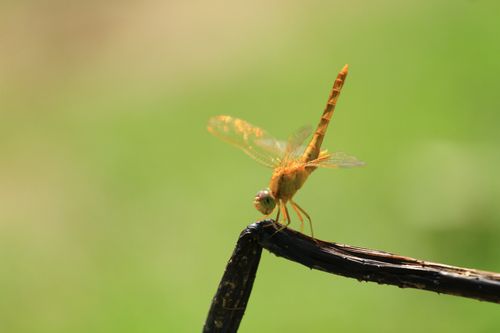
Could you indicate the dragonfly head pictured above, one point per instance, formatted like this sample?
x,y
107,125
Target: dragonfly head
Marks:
x,y
264,202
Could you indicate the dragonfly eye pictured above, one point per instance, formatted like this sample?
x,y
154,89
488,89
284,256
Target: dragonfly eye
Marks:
x,y
264,202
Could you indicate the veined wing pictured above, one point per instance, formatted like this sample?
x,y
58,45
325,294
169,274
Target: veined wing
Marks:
x,y
295,145
254,141
335,160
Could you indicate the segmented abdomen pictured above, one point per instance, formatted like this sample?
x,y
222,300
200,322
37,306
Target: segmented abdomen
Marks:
x,y
313,149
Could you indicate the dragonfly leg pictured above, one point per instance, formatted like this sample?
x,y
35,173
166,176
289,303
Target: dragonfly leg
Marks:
x,y
294,204
283,211
277,219
286,215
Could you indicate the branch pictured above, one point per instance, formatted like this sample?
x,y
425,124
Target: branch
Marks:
x,y
229,303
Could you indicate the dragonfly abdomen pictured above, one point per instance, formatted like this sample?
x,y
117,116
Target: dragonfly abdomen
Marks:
x,y
313,149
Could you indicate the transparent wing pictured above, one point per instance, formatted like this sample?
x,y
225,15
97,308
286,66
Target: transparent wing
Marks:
x,y
254,141
295,146
335,160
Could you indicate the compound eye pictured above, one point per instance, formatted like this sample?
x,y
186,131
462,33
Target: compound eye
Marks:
x,y
264,202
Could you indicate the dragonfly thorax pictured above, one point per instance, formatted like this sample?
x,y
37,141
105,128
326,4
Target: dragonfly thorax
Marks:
x,y
286,181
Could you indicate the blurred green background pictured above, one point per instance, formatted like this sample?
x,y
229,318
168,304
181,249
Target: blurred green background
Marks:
x,y
118,210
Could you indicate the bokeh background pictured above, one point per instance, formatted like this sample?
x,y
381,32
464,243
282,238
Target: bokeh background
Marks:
x,y
118,211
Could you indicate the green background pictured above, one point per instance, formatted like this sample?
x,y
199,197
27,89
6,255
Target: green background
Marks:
x,y
118,210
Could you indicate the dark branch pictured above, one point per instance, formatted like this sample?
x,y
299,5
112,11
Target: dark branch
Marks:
x,y
229,303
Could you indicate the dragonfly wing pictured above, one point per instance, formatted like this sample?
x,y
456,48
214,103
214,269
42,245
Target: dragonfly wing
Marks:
x,y
295,145
335,160
253,140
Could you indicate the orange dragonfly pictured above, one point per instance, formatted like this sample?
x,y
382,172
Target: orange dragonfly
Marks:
x,y
292,161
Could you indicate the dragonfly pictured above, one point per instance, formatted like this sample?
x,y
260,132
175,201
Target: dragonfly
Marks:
x,y
292,161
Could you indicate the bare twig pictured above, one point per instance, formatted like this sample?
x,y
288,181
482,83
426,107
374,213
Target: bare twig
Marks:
x,y
230,301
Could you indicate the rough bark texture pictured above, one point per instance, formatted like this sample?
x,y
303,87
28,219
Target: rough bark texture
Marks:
x,y
230,301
